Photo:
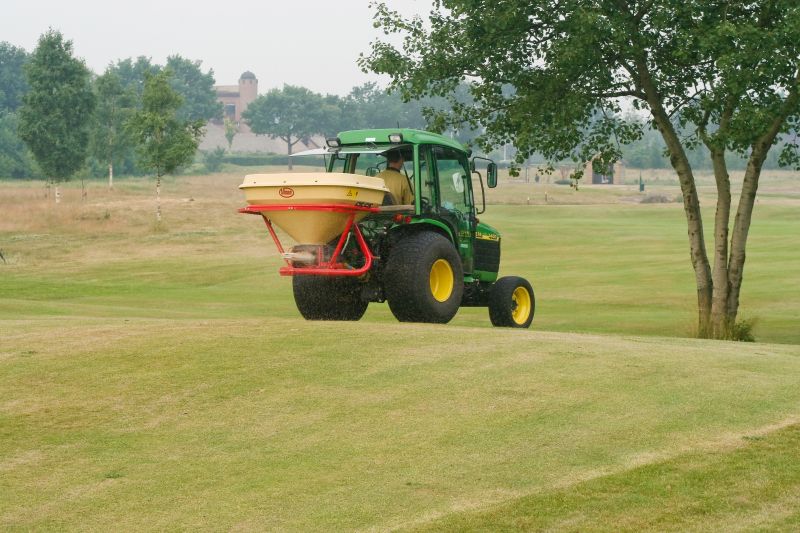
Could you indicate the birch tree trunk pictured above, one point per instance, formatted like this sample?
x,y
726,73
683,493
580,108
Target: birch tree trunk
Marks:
x,y
720,324
110,175
741,230
58,194
747,199
694,220
158,199
691,203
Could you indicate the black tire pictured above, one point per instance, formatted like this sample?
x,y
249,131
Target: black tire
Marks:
x,y
424,279
511,303
328,298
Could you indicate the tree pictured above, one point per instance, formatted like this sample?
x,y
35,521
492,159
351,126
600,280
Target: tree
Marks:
x,y
164,142
13,84
15,158
291,114
110,140
231,129
133,73
371,106
188,79
56,112
551,77
646,152
197,89
214,159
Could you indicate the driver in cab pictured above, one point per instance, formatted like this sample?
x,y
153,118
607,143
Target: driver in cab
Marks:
x,y
396,181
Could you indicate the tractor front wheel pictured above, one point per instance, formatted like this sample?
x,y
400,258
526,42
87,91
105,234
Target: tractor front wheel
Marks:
x,y
424,279
328,298
511,303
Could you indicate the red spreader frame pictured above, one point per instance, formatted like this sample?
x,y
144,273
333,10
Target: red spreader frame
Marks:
x,y
332,267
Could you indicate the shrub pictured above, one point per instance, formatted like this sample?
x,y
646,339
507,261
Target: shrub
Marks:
x,y
655,199
742,330
213,159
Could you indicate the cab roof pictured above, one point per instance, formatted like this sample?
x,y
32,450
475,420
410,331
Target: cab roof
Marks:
x,y
410,136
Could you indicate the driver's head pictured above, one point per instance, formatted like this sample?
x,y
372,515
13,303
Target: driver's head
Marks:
x,y
395,158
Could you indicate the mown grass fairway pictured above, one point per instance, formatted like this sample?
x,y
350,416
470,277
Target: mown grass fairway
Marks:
x,y
158,379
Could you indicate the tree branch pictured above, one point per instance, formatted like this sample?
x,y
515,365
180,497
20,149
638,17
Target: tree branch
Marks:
x,y
702,131
643,10
682,104
618,94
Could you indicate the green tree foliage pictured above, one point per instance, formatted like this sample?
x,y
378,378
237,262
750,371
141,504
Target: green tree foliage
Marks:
x,y
334,116
550,77
372,106
13,84
188,79
196,87
54,120
231,129
650,151
15,158
110,140
291,114
132,73
164,142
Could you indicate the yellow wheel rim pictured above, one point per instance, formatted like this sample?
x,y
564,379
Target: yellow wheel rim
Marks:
x,y
442,280
520,305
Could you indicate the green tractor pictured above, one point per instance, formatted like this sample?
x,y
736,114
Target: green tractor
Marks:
x,y
425,259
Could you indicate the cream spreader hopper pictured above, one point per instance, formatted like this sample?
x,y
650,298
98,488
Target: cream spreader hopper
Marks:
x,y
312,226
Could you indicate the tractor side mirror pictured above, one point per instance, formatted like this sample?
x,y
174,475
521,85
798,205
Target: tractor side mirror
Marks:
x,y
491,175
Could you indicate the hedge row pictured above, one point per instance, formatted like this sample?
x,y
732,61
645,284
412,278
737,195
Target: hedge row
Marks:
x,y
255,160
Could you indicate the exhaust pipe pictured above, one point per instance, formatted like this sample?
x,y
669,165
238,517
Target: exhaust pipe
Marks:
x,y
300,257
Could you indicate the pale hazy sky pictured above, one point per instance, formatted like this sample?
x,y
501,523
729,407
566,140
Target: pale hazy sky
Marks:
x,y
313,43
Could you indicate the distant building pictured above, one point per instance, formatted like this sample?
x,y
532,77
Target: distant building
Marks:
x,y
236,98
614,175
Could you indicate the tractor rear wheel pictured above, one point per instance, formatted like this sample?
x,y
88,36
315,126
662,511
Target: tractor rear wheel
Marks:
x,y
328,298
424,279
511,303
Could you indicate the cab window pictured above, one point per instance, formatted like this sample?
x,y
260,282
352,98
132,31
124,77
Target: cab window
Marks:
x,y
452,174
338,164
364,164
369,164
427,183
